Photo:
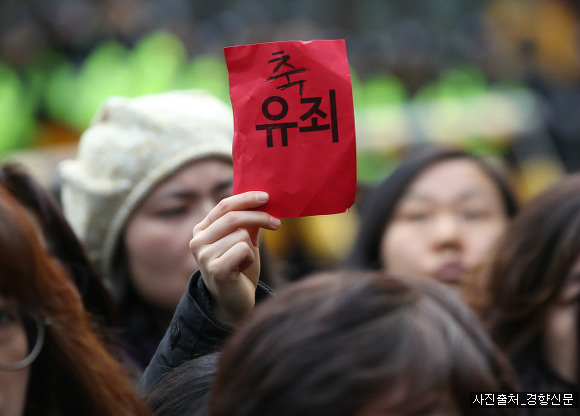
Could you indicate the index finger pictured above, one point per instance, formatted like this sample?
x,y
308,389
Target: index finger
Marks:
x,y
239,202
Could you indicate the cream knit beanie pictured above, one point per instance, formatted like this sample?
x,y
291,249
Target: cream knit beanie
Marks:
x,y
131,146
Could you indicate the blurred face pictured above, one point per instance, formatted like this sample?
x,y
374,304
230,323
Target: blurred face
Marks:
x,y
445,224
560,334
157,235
13,348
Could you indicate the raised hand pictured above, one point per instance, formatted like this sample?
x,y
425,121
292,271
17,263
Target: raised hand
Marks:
x,y
225,246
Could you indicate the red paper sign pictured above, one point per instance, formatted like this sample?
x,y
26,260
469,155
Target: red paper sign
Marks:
x,y
294,133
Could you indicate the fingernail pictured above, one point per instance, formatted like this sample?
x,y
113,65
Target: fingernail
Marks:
x,y
262,197
275,222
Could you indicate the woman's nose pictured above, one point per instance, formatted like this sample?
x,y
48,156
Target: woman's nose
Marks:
x,y
446,230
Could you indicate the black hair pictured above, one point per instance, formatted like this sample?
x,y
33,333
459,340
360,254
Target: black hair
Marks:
x,y
345,342
185,390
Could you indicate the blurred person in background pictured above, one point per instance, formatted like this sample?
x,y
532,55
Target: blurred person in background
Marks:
x,y
223,290
438,215
51,360
533,292
359,343
61,242
148,169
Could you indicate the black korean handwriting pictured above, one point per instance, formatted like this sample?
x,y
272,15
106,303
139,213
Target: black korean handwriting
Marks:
x,y
274,117
275,108
281,60
316,111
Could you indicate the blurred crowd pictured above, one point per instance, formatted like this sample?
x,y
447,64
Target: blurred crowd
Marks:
x,y
55,53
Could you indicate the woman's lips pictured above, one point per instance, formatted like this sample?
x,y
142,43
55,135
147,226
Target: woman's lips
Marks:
x,y
451,272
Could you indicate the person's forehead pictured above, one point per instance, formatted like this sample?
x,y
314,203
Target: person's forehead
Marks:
x,y
452,178
202,176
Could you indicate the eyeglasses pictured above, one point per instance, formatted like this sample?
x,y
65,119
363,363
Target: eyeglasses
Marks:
x,y
21,338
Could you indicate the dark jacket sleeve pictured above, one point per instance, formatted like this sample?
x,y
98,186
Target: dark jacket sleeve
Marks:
x,y
194,331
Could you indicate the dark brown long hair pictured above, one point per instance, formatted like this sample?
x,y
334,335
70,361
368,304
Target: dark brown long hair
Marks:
x,y
61,240
336,344
532,264
74,373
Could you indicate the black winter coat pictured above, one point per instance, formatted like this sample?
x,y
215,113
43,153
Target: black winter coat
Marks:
x,y
194,331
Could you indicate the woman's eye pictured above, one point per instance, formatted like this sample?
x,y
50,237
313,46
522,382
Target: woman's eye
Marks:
x,y
172,212
415,216
474,214
222,195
